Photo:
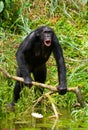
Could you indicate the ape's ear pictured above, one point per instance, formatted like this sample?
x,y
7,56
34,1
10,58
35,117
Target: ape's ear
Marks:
x,y
37,33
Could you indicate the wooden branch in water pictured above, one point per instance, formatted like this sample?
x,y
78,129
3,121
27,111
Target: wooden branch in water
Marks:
x,y
76,90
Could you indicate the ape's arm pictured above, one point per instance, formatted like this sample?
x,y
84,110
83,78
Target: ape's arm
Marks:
x,y
58,54
20,56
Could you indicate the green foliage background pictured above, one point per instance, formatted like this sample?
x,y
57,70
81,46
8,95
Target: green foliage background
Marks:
x,y
69,19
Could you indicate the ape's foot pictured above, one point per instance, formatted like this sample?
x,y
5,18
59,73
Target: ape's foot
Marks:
x,y
11,106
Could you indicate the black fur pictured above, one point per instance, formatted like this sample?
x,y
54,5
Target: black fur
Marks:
x,y
32,55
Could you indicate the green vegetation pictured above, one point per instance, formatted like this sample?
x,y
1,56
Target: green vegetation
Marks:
x,y
69,19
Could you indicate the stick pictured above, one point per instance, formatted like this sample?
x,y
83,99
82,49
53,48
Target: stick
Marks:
x,y
53,105
76,90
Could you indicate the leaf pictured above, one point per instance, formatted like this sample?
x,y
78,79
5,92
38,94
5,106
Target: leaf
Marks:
x,y
1,6
84,2
6,14
27,4
8,3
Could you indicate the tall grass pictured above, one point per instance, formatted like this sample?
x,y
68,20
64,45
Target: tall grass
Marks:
x,y
69,20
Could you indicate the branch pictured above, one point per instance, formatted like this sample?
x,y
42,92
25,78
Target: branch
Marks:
x,y
53,105
76,90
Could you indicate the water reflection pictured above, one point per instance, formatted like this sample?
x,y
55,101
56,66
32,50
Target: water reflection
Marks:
x,y
65,122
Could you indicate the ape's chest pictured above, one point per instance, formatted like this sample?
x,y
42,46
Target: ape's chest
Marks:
x,y
37,56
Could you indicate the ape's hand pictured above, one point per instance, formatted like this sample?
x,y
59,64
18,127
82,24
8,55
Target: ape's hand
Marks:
x,y
27,81
62,89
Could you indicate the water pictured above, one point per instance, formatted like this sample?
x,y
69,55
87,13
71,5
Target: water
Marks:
x,y
64,122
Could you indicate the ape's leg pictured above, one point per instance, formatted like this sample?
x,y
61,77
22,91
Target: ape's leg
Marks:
x,y
16,94
17,89
40,76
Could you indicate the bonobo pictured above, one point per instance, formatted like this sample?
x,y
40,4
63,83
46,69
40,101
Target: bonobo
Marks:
x,y
32,55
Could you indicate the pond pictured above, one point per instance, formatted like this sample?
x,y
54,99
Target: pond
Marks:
x,y
64,122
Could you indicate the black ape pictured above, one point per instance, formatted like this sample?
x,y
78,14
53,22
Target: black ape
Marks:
x,y
32,55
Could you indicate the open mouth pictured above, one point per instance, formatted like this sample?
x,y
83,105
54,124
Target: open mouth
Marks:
x,y
47,42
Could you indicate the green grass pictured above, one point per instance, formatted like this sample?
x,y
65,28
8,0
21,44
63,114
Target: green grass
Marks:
x,y
73,37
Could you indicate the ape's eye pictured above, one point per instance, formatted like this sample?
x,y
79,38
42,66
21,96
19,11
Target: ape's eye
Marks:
x,y
47,32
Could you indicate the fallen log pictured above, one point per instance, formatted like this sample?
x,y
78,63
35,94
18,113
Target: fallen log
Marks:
x,y
76,90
